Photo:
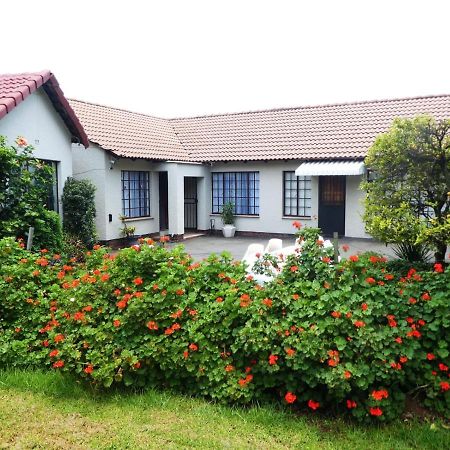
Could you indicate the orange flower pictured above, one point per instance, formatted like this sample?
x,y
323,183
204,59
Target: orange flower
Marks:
x,y
152,325
273,359
354,258
122,304
245,300
268,302
21,141
326,259
376,412
290,351
78,316
297,224
336,314
295,296
364,306
229,368
116,323
219,299
53,353
59,338
347,374
137,281
379,395
58,364
290,397
359,324
89,369
370,280
179,292
346,247
294,269
313,405
193,347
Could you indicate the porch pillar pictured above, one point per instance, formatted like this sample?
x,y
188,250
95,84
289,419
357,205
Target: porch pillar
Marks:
x,y
175,179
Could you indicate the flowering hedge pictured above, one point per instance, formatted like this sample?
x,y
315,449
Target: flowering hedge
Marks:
x,y
342,337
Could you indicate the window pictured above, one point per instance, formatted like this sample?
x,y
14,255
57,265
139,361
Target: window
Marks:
x,y
52,198
240,188
135,193
296,195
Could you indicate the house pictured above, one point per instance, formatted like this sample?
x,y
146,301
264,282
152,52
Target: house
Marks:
x,y
33,105
276,166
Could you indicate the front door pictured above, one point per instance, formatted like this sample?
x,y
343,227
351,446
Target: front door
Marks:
x,y
332,205
163,202
190,203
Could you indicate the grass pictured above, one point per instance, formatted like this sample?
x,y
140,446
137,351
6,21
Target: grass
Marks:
x,y
49,411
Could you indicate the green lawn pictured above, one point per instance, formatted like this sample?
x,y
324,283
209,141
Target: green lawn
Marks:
x,y
42,410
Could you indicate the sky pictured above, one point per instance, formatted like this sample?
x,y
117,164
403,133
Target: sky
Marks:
x,y
173,58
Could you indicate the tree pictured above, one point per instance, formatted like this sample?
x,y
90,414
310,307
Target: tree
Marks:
x,y
25,183
408,200
79,210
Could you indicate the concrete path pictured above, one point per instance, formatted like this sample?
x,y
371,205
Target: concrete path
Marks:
x,y
201,247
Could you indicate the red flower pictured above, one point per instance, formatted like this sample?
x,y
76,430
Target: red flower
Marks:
x,y
59,338
354,258
295,296
351,404
336,314
430,356
347,374
137,281
396,366
78,316
152,325
229,368
177,314
219,299
273,359
268,302
45,343
445,386
53,353
438,268
399,340
313,405
186,354
88,308
290,351
116,323
345,247
370,280
193,347
426,296
122,304
376,412
105,277
379,395
297,224
294,269
58,364
359,324
326,259
374,259
89,369
414,333
290,397
443,367
389,276
403,359
245,300
179,291
364,306
412,301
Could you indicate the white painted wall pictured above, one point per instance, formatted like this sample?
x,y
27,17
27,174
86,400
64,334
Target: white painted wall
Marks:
x,y
354,207
270,218
37,121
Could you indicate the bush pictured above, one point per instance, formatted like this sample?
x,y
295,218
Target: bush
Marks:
x,y
348,337
79,210
24,186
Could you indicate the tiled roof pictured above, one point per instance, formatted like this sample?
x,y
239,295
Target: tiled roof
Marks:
x,y
341,131
130,134
15,88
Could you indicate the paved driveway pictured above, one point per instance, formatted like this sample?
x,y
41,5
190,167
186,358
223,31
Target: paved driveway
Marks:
x,y
203,246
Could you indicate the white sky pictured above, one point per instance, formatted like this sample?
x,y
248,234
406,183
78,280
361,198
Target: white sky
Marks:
x,y
175,58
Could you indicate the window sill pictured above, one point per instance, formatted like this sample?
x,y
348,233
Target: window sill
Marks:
x,y
247,216
136,219
297,217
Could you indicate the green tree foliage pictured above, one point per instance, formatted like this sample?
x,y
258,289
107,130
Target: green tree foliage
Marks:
x,y
409,199
79,210
24,186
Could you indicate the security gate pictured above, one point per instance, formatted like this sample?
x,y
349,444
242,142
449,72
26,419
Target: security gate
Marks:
x,y
190,203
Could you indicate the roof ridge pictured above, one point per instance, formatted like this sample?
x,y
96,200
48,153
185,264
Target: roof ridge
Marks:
x,y
324,105
39,73
116,108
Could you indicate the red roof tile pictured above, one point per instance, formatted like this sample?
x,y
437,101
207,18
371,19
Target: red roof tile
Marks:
x,y
341,131
129,134
15,88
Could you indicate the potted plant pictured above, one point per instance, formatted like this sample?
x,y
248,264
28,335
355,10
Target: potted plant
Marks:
x,y
127,231
227,215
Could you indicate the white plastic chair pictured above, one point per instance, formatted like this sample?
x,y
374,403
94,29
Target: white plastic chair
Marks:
x,y
250,255
274,245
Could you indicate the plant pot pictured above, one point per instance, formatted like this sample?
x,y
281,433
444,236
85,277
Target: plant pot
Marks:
x,y
228,231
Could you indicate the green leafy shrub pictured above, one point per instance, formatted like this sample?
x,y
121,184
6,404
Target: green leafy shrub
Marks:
x,y
79,210
350,337
24,186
